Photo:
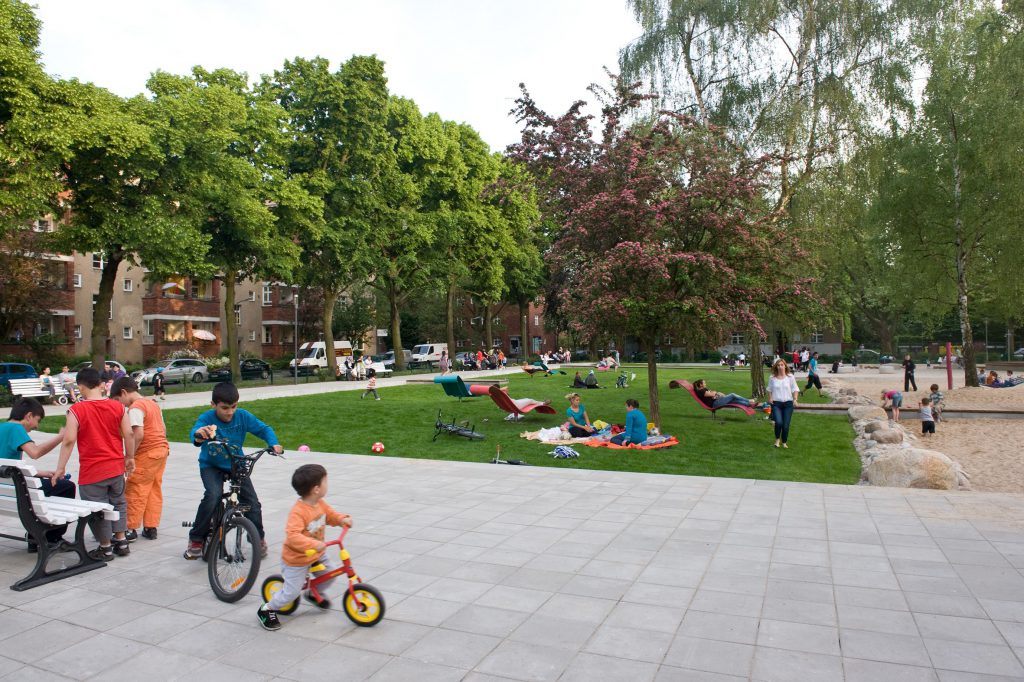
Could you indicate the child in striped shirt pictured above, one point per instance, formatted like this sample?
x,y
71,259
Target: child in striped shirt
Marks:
x,y
371,385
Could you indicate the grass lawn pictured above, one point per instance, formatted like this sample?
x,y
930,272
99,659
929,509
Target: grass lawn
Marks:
x,y
820,448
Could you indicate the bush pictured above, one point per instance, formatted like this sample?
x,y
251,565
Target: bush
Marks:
x,y
187,352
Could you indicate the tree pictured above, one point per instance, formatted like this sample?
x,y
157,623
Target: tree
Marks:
x,y
26,283
354,314
660,229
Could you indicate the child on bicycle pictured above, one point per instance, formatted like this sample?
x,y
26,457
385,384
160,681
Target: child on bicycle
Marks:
x,y
225,421
304,531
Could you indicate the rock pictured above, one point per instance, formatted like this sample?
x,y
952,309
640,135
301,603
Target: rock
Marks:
x,y
867,412
886,369
887,435
914,468
873,426
848,391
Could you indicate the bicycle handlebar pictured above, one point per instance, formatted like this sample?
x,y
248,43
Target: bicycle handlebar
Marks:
x,y
252,456
338,542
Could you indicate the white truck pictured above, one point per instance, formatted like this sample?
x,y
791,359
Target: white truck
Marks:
x,y
428,354
313,356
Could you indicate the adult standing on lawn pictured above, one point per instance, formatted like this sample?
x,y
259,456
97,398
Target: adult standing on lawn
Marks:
x,y
784,392
908,374
812,374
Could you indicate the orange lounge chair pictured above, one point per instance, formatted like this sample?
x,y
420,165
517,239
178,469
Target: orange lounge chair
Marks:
x,y
682,383
517,408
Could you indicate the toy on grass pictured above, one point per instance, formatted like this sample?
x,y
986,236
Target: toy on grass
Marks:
x,y
303,448
377,447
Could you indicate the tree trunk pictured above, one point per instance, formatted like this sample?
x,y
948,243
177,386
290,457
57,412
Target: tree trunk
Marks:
x,y
488,327
524,329
101,311
757,386
652,381
962,289
231,333
592,348
885,339
331,300
1009,340
396,325
449,314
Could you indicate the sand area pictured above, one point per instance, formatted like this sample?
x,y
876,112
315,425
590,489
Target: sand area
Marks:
x,y
991,451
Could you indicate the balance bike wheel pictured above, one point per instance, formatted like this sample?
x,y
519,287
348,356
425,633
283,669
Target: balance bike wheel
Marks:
x,y
372,609
271,586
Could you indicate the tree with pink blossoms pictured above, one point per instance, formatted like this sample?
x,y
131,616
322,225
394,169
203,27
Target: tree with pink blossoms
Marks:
x,y
664,230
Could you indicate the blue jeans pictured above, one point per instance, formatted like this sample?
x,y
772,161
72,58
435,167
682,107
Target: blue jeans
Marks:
x,y
731,398
782,415
213,483
620,439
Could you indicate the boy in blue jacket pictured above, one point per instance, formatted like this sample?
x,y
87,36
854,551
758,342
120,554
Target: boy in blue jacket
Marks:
x,y
228,422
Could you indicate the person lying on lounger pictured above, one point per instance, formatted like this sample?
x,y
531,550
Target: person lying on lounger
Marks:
x,y
715,399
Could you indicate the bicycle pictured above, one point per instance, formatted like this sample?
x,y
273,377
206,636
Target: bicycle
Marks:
x,y
364,604
231,548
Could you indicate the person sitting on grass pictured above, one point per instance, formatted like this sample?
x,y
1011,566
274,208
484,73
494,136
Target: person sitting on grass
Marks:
x,y
232,424
304,532
715,399
577,381
636,425
579,420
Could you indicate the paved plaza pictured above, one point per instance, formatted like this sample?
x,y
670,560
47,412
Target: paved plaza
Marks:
x,y
514,573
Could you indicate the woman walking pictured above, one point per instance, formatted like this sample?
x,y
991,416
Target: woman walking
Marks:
x,y
445,363
784,391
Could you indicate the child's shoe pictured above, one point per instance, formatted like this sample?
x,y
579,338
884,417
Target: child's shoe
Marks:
x,y
194,550
263,549
268,618
121,547
131,535
102,553
149,533
324,602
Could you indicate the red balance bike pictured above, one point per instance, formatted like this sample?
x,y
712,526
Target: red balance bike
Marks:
x,y
364,605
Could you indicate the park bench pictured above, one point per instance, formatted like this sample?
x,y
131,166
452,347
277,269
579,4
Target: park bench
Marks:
x,y
21,496
33,388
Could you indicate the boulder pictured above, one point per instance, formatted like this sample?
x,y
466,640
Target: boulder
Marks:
x,y
886,435
913,468
873,426
867,412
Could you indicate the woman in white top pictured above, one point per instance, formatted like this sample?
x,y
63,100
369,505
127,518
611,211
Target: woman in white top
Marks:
x,y
784,391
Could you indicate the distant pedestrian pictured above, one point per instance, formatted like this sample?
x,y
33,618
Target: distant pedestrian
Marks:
x,y
812,374
371,384
445,363
908,373
159,389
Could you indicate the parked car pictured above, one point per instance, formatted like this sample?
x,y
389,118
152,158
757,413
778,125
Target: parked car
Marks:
x,y
182,369
15,370
388,359
250,368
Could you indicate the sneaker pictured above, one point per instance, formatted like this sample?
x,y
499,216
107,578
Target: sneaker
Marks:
x,y
268,619
149,533
121,548
324,602
131,535
263,549
376,398
194,550
102,553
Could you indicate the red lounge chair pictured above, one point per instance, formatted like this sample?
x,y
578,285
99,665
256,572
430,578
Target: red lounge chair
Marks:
x,y
681,383
517,408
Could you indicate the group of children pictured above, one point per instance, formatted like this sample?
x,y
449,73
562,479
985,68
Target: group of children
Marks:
x,y
930,407
122,452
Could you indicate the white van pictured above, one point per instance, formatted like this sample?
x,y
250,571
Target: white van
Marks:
x,y
313,354
428,354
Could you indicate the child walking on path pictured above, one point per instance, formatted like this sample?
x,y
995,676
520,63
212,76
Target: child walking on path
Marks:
x,y
144,490
937,402
371,384
106,454
927,418
304,531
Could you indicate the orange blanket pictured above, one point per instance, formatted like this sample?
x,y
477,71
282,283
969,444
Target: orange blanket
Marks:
x,y
598,443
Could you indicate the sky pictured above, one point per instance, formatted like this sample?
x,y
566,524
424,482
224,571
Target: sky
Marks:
x,y
463,59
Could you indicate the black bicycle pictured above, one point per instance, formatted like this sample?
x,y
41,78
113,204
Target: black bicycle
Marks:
x,y
231,548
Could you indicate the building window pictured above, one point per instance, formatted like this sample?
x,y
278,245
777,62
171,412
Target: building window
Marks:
x,y
43,225
202,289
98,260
127,285
77,280
174,330
110,307
497,341
288,335
536,343
817,337
268,296
737,339
536,319
126,332
147,327
461,322
268,335
78,331
496,321
252,297
252,336
458,342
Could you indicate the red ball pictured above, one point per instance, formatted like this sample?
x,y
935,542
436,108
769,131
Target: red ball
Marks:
x,y
377,447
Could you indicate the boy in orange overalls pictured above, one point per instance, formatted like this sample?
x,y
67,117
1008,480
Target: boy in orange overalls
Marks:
x,y
144,487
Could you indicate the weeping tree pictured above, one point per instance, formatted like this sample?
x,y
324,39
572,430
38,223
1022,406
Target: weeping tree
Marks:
x,y
659,226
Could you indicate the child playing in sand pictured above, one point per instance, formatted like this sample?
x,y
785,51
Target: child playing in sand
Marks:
x,y
937,402
927,418
892,399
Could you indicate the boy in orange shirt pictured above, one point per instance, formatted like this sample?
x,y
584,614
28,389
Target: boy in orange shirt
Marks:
x,y
304,531
144,489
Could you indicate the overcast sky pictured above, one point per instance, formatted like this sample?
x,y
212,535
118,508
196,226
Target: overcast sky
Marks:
x,y
461,58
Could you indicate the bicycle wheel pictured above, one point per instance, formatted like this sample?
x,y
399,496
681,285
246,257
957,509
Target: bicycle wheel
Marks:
x,y
234,559
271,586
370,610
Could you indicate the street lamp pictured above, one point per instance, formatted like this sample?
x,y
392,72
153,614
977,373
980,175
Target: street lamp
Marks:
x,y
295,335
986,342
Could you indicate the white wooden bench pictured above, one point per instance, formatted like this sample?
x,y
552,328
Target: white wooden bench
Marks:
x,y
21,496
33,388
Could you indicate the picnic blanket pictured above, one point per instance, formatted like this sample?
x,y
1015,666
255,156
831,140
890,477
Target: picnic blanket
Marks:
x,y
601,443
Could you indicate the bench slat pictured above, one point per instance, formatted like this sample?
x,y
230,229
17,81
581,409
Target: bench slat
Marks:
x,y
7,490
60,504
25,467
